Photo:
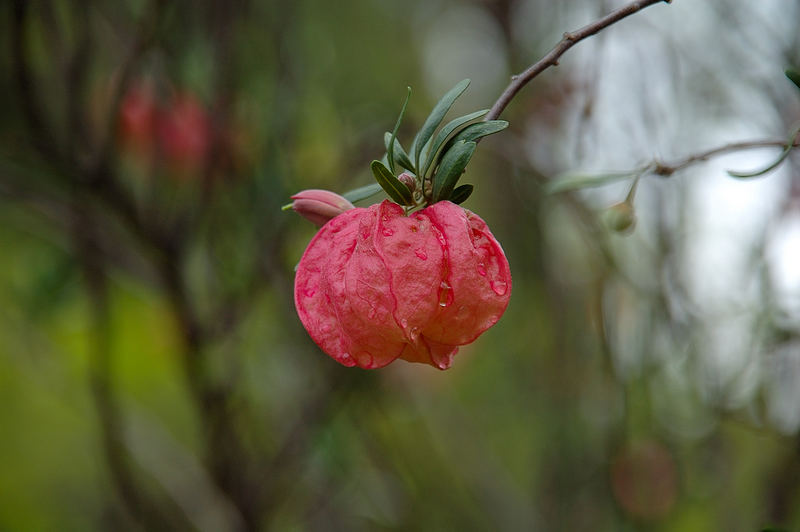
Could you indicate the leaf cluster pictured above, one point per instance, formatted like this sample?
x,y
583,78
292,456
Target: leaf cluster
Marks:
x,y
437,156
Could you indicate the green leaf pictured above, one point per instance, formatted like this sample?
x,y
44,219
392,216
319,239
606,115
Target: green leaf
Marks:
x,y
794,76
361,193
450,169
481,129
400,155
790,143
436,117
390,152
579,181
461,193
445,132
397,190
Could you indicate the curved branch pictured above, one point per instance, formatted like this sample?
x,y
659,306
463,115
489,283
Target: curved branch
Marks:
x,y
570,39
662,169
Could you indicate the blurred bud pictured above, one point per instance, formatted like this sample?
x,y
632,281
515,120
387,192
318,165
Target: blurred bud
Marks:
x,y
620,218
644,479
184,133
319,206
408,180
137,118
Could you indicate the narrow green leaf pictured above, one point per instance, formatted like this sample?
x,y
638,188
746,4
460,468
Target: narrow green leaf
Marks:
x,y
436,117
390,152
397,190
790,143
794,75
361,193
450,169
579,181
445,132
400,155
461,193
478,130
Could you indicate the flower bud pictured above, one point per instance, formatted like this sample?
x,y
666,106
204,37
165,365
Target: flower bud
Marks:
x,y
408,180
319,206
620,218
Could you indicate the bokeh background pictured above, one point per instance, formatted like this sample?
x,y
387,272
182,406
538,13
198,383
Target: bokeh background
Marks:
x,y
154,374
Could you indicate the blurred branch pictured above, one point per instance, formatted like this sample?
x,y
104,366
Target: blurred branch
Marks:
x,y
142,506
662,169
570,39
666,170
26,87
143,37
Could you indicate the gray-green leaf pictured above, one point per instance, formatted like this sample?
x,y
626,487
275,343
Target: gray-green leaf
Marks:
x,y
445,132
361,193
790,144
461,193
397,190
578,181
794,76
450,169
436,117
478,130
390,152
400,155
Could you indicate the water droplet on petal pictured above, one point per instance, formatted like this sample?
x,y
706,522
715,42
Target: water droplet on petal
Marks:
x,y
387,232
372,313
404,323
309,292
481,269
445,294
419,252
499,287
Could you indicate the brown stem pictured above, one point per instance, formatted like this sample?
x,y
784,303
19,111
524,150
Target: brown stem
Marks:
x,y
151,512
666,170
226,456
551,59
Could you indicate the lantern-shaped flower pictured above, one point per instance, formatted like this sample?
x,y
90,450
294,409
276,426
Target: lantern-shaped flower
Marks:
x,y
415,278
375,285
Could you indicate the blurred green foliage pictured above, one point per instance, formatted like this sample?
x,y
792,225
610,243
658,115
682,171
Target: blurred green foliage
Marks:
x,y
154,375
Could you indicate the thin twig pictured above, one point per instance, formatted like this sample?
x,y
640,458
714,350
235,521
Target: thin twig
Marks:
x,y
570,39
666,170
149,510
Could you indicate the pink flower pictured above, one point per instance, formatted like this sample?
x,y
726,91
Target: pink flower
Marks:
x,y
375,285
319,206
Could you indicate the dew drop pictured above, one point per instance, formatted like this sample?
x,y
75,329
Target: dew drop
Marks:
x,y
372,313
419,252
445,294
309,292
499,287
481,269
404,323
388,232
